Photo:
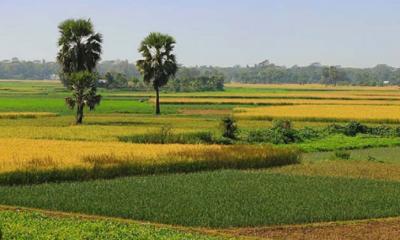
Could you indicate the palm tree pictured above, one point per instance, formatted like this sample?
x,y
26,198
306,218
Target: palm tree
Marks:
x,y
79,52
83,86
159,63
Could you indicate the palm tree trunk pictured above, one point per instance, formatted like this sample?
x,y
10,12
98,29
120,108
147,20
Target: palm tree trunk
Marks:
x,y
158,101
79,113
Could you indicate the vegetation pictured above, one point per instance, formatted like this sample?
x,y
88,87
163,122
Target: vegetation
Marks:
x,y
260,73
329,113
27,225
159,63
229,128
80,50
218,199
26,161
83,86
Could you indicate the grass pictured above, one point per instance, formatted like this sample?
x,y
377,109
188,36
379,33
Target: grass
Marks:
x,y
383,155
341,142
38,161
330,113
27,225
217,199
360,169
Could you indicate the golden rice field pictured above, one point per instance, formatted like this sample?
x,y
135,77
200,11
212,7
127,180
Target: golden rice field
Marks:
x,y
27,154
366,113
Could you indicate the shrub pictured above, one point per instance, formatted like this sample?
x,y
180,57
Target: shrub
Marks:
x,y
229,128
282,132
353,128
334,129
342,155
308,133
381,130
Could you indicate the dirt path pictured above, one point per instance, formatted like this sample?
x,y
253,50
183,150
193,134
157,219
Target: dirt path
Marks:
x,y
382,229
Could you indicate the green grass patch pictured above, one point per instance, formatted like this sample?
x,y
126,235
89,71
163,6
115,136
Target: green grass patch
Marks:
x,y
384,154
342,142
24,225
217,199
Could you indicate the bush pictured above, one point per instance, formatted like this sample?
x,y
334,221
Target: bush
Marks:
x,y
308,133
353,128
382,130
282,132
342,155
229,128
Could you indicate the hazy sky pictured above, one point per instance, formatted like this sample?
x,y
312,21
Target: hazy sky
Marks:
x,y
216,32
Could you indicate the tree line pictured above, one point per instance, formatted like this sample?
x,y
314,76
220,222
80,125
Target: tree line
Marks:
x,y
314,73
260,73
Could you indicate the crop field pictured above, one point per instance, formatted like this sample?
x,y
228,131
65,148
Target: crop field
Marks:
x,y
300,154
364,113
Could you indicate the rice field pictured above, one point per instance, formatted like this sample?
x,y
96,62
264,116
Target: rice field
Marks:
x,y
97,168
364,113
25,161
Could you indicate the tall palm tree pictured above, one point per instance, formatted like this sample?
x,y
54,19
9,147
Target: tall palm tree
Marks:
x,y
159,63
79,52
79,46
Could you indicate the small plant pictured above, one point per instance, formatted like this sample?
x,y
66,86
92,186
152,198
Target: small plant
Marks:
x,y
283,132
353,128
342,155
229,128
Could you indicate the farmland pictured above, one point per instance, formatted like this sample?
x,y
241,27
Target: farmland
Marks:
x,y
335,160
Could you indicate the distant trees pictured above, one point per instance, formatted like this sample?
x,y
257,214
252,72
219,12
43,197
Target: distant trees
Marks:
x,y
80,51
191,79
159,63
330,75
376,76
114,80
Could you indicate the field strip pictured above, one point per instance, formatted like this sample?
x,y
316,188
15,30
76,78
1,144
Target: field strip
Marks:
x,y
376,228
59,214
364,113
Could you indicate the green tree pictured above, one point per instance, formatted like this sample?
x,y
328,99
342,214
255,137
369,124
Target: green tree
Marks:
x,y
159,63
83,85
80,47
80,50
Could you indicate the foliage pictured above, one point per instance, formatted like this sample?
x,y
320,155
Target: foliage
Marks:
x,y
114,80
80,48
270,73
159,63
345,155
191,79
27,225
84,93
280,133
218,199
229,128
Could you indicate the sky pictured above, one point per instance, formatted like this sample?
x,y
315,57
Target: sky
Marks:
x,y
351,33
